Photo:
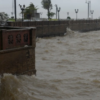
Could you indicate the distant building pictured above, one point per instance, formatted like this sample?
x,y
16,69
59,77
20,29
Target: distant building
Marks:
x,y
34,17
36,14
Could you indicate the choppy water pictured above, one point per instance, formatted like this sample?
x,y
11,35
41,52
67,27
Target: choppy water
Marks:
x,y
68,68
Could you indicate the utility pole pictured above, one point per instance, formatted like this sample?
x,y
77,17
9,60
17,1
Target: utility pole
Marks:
x,y
56,10
89,4
92,11
15,10
76,11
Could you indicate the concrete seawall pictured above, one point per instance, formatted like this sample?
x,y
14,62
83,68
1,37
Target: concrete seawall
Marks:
x,y
53,28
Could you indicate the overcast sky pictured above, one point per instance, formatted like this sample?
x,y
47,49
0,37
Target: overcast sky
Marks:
x,y
66,6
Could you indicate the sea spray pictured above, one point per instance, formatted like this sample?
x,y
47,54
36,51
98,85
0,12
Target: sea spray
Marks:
x,y
9,87
15,87
69,32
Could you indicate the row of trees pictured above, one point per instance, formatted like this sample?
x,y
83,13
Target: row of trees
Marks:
x,y
46,4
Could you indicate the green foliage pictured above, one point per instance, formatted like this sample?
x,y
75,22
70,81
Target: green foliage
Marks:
x,y
29,11
68,18
12,17
46,4
6,14
51,14
53,19
12,20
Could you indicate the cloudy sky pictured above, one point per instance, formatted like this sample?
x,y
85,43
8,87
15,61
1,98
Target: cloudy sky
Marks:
x,y
66,6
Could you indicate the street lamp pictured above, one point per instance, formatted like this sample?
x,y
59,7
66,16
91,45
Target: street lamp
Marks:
x,y
76,11
12,13
92,11
67,15
22,9
58,12
89,4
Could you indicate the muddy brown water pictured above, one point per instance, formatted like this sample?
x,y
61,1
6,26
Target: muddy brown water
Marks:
x,y
68,68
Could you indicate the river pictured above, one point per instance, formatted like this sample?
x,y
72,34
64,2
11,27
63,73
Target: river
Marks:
x,y
68,68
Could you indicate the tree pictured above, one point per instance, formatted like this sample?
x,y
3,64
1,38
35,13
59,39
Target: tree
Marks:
x,y
3,18
51,14
6,15
29,11
46,4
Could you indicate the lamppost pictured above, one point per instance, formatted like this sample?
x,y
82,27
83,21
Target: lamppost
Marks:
x,y
89,4
92,11
12,13
76,11
15,10
67,14
41,14
56,10
22,9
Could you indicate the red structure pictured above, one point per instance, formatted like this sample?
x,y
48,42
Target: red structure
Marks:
x,y
17,50
14,38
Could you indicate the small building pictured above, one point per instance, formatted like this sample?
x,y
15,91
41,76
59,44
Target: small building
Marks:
x,y
36,14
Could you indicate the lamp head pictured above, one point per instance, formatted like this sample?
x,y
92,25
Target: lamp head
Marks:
x,y
24,6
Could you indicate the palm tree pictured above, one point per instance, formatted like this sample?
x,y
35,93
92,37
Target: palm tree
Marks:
x,y
46,4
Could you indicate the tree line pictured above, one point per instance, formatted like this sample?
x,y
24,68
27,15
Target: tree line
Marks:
x,y
46,4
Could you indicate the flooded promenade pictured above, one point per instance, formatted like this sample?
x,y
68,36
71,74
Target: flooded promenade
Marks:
x,y
68,68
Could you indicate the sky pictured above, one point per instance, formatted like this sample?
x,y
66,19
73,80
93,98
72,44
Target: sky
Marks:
x,y
66,6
